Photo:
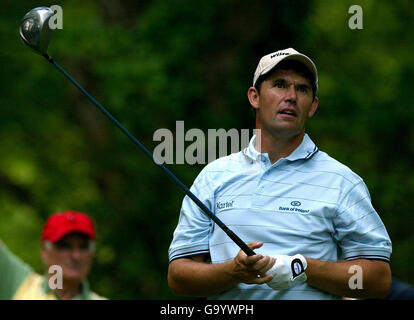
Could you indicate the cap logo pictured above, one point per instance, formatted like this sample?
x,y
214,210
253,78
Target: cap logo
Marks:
x,y
279,54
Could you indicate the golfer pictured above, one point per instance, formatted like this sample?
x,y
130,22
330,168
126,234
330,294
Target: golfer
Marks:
x,y
308,217
68,245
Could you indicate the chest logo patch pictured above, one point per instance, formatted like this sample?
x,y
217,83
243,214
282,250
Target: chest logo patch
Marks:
x,y
294,208
225,205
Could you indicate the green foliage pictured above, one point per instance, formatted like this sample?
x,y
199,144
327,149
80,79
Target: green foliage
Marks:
x,y
158,62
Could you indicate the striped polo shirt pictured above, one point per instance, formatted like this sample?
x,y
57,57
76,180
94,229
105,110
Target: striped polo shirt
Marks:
x,y
306,203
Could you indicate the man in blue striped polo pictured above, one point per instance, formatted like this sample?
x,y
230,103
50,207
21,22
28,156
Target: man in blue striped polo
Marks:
x,y
308,217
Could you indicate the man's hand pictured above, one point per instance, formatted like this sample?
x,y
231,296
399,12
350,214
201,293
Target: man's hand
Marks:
x,y
253,269
287,271
193,276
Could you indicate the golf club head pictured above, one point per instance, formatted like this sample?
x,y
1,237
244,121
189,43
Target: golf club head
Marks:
x,y
35,30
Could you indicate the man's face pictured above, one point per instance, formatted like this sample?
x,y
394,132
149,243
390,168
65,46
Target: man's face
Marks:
x,y
73,253
284,104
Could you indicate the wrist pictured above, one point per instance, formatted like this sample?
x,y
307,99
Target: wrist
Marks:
x,y
299,265
231,272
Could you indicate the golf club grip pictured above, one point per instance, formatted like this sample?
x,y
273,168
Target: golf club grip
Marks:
x,y
243,246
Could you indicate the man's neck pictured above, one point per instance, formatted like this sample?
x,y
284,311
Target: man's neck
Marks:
x,y
70,289
277,147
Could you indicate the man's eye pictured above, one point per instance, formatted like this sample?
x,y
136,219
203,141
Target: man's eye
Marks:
x,y
280,85
303,89
84,246
63,246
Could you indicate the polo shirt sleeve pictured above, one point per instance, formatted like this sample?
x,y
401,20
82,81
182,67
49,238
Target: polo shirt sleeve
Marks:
x,y
191,236
13,272
359,231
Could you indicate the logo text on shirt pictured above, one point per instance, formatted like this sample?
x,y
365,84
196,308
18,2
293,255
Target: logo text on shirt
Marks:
x,y
225,205
294,208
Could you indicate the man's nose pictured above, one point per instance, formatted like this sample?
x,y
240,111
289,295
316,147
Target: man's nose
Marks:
x,y
291,94
76,252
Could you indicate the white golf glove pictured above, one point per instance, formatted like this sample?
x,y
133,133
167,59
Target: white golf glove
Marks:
x,y
287,271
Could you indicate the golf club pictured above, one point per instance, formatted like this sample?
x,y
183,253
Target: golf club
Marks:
x,y
35,32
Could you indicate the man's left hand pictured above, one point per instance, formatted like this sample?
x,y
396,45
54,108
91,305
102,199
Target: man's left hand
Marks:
x,y
287,271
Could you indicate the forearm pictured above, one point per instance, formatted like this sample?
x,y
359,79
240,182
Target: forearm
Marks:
x,y
195,278
335,277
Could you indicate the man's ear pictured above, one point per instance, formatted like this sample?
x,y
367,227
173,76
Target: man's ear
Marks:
x,y
254,97
44,251
314,107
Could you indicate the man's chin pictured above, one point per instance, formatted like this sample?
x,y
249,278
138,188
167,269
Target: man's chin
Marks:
x,y
286,131
73,275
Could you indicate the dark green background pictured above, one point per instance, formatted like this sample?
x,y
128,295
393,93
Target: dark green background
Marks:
x,y
152,63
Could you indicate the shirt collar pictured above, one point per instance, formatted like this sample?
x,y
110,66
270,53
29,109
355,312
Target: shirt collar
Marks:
x,y
305,150
85,293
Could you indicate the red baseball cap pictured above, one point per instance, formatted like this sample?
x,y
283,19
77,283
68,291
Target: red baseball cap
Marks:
x,y
60,224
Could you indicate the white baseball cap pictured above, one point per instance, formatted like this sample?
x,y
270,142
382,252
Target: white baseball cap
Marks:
x,y
268,62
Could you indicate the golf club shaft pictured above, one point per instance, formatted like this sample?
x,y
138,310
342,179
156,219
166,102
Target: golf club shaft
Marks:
x,y
243,246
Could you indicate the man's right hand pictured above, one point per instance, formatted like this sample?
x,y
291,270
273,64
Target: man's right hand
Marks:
x,y
252,269
193,276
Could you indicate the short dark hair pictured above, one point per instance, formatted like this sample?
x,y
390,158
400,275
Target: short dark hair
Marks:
x,y
294,65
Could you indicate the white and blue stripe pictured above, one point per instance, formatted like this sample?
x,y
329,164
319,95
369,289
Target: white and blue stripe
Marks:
x,y
306,203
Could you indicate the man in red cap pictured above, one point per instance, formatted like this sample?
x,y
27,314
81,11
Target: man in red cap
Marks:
x,y
68,246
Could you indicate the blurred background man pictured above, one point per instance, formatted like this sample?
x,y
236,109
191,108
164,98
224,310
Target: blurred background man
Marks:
x,y
67,251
